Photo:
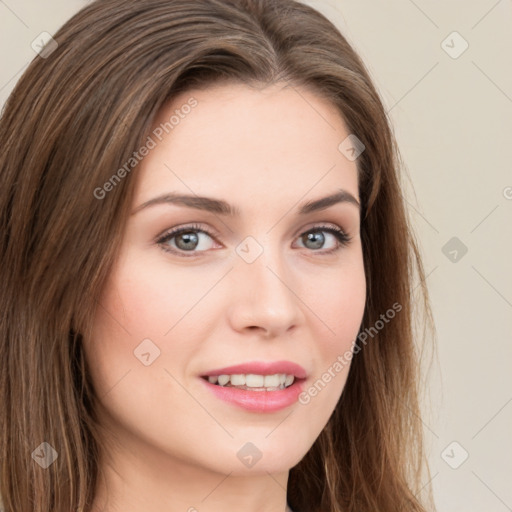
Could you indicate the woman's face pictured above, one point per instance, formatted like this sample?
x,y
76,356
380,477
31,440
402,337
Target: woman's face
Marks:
x,y
267,287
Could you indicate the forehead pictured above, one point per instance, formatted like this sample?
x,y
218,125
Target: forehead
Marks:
x,y
259,144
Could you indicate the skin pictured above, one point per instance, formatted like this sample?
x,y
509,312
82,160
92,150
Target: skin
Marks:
x,y
170,444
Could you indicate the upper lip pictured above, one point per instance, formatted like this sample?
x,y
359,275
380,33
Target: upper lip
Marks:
x,y
261,368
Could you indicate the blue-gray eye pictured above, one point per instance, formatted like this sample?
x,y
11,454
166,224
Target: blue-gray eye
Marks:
x,y
315,238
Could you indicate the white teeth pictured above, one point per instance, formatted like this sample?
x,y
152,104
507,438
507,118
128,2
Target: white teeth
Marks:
x,y
238,380
223,380
251,380
254,381
271,381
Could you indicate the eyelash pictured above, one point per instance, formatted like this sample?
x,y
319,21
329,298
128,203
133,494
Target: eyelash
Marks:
x,y
342,238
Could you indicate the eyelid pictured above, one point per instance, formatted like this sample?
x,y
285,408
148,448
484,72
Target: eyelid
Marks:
x,y
314,226
188,227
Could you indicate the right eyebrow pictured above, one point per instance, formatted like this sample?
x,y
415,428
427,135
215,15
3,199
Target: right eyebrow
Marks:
x,y
201,203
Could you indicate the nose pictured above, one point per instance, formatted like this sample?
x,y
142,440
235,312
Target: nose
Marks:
x,y
263,296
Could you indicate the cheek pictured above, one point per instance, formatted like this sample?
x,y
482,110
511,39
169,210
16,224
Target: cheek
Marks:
x,y
148,300
139,305
338,302
144,300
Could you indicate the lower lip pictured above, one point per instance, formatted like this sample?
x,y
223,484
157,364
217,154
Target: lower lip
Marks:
x,y
257,401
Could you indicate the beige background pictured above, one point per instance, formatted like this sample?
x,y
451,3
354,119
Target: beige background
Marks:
x,y
453,120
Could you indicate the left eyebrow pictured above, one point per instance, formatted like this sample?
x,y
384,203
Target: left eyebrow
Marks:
x,y
321,204
224,208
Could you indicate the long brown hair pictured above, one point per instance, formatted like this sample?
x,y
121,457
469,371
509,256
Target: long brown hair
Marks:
x,y
74,118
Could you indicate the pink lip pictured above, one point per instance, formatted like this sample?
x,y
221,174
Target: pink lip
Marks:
x,y
259,401
261,368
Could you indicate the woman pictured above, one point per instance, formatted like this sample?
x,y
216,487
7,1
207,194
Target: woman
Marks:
x,y
207,269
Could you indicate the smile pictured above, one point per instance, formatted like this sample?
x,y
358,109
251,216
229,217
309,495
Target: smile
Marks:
x,y
257,386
